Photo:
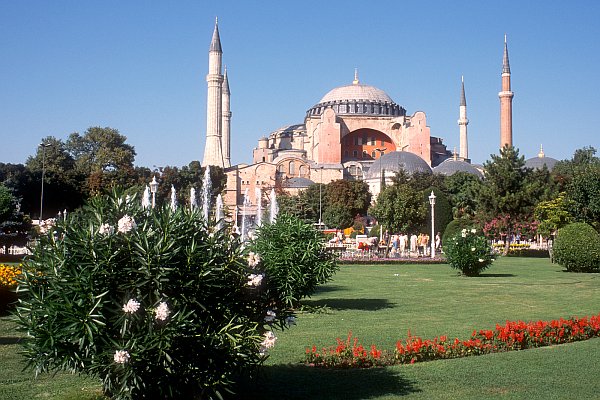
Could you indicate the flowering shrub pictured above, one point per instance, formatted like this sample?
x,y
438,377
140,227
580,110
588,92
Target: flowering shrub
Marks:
x,y
469,252
8,275
152,302
512,335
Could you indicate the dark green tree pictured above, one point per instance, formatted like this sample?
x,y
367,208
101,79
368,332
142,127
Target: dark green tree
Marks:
x,y
462,189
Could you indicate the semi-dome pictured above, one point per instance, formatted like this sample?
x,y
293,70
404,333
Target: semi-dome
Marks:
x,y
297,182
541,160
451,166
396,161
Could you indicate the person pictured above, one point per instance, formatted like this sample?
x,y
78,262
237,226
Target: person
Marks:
x,y
413,243
403,239
438,241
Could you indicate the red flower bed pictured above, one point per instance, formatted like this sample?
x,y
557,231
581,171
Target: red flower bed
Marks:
x,y
517,335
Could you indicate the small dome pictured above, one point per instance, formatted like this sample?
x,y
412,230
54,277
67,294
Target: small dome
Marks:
x,y
451,166
396,161
297,183
357,92
539,162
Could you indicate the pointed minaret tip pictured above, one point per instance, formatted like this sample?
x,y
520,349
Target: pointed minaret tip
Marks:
x,y
541,153
505,62
225,81
215,44
355,81
463,97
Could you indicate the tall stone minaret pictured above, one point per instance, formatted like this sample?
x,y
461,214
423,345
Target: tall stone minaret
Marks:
x,y
506,97
213,152
226,123
463,122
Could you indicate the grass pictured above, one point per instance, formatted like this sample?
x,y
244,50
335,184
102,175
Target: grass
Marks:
x,y
379,304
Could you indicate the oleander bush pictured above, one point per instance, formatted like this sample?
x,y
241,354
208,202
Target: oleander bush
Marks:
x,y
153,302
294,258
469,252
577,248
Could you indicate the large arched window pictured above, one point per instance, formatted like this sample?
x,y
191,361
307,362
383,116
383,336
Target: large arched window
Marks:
x,y
292,168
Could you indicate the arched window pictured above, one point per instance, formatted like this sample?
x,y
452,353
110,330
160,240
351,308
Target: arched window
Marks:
x,y
302,170
292,168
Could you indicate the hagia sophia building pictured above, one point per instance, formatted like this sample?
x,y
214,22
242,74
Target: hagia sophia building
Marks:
x,y
355,132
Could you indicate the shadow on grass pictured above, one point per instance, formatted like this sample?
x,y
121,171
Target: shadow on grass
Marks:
x,y
496,276
351,304
9,340
330,288
301,382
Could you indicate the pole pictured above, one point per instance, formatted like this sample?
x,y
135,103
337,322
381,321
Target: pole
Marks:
x,y
432,225
320,198
43,174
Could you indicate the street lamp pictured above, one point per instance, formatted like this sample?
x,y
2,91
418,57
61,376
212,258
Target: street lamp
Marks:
x,y
432,202
153,190
43,145
320,197
381,178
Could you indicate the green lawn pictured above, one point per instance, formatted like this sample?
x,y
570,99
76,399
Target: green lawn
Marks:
x,y
379,304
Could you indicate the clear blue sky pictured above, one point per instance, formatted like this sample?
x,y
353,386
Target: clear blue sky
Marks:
x,y
140,67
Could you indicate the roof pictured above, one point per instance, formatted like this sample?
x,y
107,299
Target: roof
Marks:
x,y
396,161
539,162
450,167
357,92
298,183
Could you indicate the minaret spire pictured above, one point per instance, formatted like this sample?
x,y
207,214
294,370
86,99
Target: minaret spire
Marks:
x,y
463,122
506,96
355,81
226,122
213,151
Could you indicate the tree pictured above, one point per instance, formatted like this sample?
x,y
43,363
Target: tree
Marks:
x,y
400,207
583,194
553,215
509,191
13,226
463,191
344,201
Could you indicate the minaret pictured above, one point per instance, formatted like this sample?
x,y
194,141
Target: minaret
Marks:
x,y
226,122
213,154
506,97
463,122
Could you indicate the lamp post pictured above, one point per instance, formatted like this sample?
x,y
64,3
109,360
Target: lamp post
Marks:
x,y
381,178
432,202
320,197
153,190
43,145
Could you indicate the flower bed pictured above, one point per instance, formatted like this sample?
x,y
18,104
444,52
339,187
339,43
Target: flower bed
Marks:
x,y
512,335
8,297
383,260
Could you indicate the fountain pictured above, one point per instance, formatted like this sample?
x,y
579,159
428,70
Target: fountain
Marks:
x,y
274,207
173,198
219,212
206,193
146,198
244,218
258,219
193,201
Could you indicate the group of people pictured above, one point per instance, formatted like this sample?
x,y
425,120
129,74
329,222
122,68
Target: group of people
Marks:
x,y
404,246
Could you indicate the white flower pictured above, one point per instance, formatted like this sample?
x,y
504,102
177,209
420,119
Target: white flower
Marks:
x,y
162,311
121,356
46,225
268,342
473,230
105,229
253,259
126,224
463,233
131,306
270,317
481,260
291,320
255,280
472,248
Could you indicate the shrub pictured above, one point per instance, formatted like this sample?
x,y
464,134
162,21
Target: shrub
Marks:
x,y
454,227
294,259
154,303
469,252
577,248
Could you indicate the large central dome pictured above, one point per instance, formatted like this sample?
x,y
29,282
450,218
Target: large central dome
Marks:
x,y
357,92
357,99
